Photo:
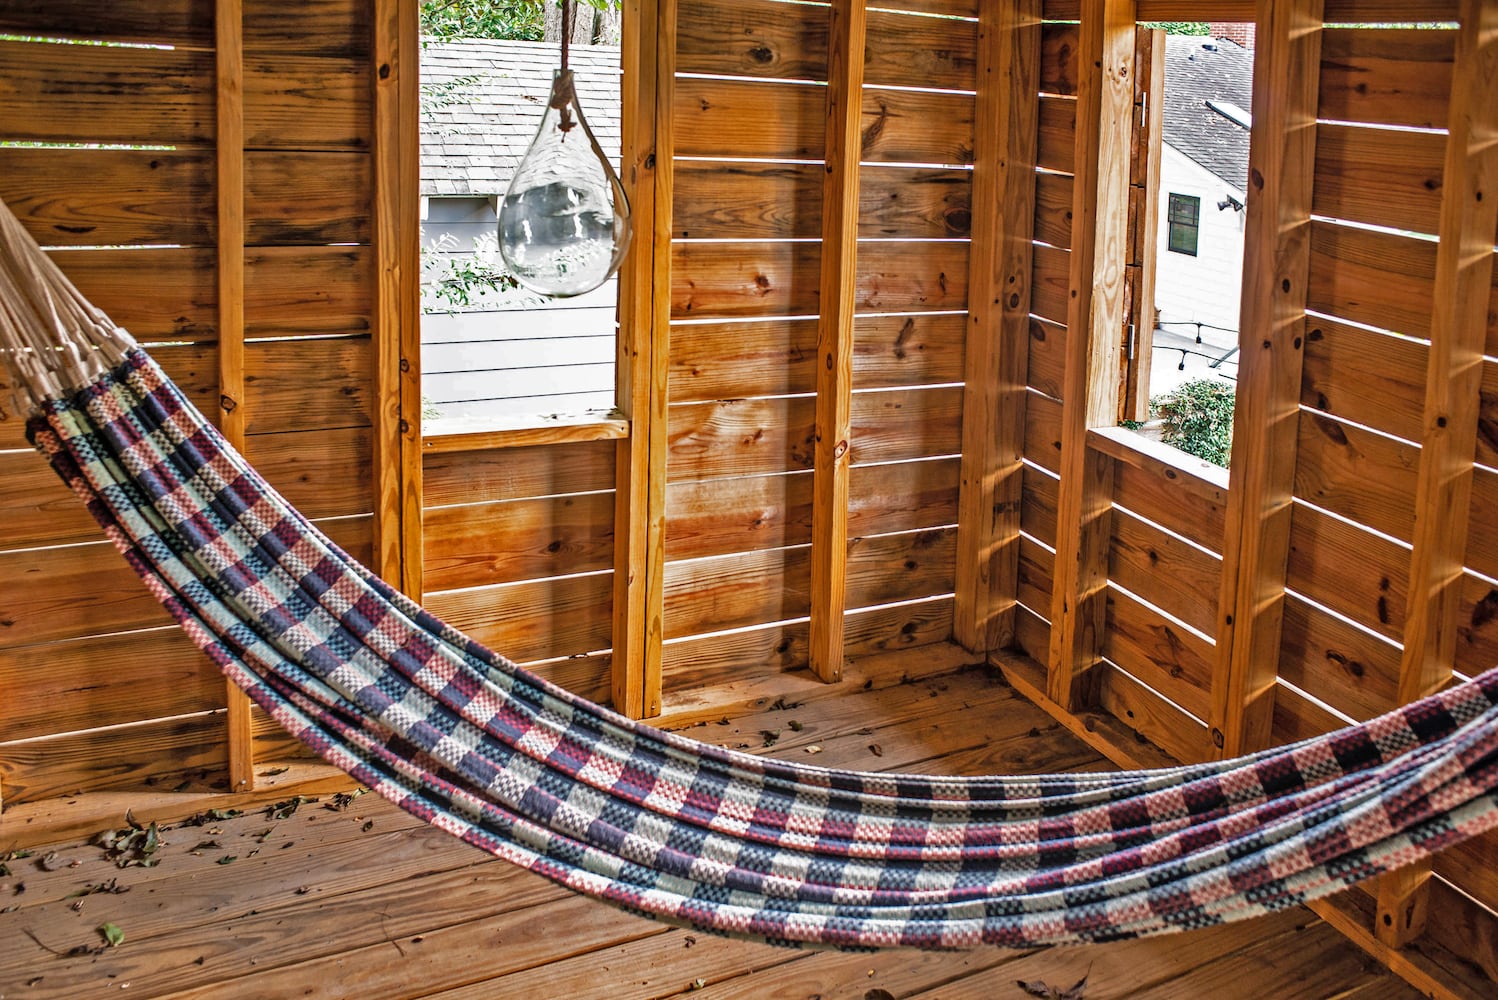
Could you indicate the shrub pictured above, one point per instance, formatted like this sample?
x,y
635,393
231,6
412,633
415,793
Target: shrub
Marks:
x,y
1198,418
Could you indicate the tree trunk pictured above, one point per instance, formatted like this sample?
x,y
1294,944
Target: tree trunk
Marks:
x,y
590,26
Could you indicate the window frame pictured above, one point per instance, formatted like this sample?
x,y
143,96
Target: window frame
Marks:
x,y
1173,241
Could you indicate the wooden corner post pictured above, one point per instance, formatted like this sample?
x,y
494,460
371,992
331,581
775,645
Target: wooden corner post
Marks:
x,y
998,340
1276,263
228,21
648,61
1094,343
829,527
397,319
1453,404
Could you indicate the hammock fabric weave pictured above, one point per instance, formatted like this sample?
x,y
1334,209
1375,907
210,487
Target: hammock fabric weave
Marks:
x,y
665,826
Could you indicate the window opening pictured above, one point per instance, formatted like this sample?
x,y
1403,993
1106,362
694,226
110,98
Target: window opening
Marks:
x,y
495,354
1189,327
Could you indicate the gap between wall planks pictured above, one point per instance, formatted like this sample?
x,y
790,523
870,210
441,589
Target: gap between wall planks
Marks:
x,y
648,64
229,87
1256,545
1105,106
396,323
839,277
1453,405
997,358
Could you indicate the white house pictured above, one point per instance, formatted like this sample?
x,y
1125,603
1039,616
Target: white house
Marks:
x,y
517,355
1203,177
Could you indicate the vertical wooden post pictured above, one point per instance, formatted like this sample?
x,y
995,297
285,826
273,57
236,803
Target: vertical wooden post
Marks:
x,y
1443,492
829,524
1094,320
1282,160
993,395
648,58
229,82
397,321
1144,218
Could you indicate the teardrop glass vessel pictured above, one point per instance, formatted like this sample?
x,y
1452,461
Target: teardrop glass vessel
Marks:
x,y
564,224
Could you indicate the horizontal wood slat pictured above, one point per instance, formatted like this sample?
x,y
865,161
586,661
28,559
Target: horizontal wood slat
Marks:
x,y
301,291
322,472
280,397
114,680
339,28
1349,570
1357,473
517,473
307,198
1352,670
753,38
721,516
713,280
160,754
1056,149
534,620
784,120
748,437
905,51
1175,576
1378,176
743,589
741,657
1172,660
57,92
1364,376
476,545
108,197
156,294
1379,279
745,200
1477,633
1387,76
187,23
306,102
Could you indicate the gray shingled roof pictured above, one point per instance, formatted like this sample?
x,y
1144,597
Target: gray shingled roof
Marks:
x,y
1199,69
482,102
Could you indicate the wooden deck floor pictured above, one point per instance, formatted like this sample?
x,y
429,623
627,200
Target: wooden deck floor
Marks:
x,y
365,902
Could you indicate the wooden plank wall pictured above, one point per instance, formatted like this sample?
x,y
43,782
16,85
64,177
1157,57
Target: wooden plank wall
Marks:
x,y
518,551
747,218
121,174
1368,407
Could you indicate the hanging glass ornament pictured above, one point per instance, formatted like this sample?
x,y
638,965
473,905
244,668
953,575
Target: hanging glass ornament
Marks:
x,y
564,224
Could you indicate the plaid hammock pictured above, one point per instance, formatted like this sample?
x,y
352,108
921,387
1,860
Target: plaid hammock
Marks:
x,y
661,824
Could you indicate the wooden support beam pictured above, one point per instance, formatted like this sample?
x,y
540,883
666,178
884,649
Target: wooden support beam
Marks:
x,y
1443,491
397,320
829,521
648,59
229,82
1282,159
1100,224
998,337
1144,218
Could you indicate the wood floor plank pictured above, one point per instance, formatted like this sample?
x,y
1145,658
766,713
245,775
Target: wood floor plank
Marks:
x,y
398,910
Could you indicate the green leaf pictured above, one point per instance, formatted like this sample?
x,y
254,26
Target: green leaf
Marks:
x,y
113,936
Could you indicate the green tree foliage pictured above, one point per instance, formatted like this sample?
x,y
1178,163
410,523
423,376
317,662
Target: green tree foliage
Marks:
x,y
518,19
1198,418
1179,27
523,20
